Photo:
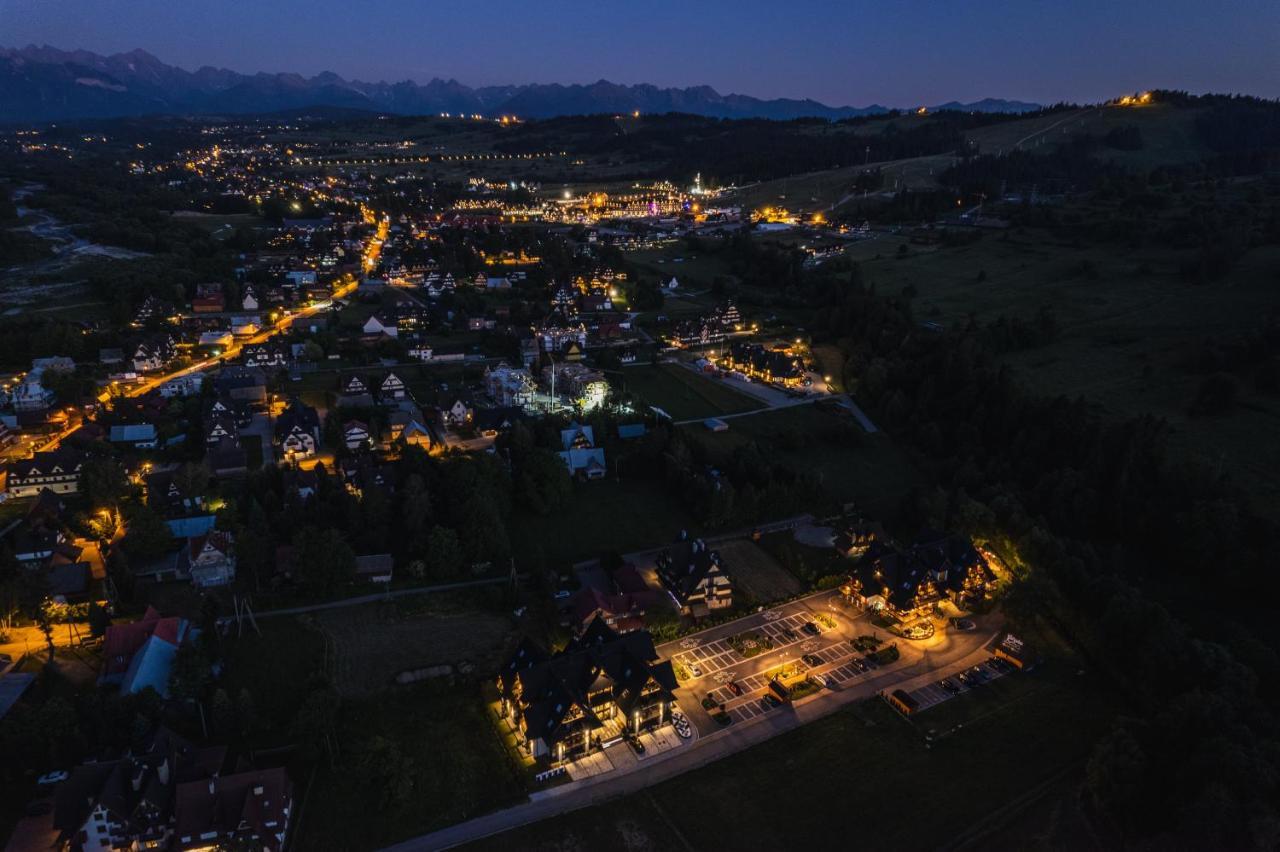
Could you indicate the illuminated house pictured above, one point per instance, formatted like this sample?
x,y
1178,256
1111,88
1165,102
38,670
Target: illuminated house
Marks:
x,y
587,387
298,431
905,583
57,470
557,331
763,364
601,686
715,327
508,386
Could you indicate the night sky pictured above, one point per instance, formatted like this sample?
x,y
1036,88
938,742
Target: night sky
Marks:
x,y
893,52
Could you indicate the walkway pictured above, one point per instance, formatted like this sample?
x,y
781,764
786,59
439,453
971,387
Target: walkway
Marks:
x,y
381,596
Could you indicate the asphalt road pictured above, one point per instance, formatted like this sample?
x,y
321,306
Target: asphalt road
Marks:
x,y
942,656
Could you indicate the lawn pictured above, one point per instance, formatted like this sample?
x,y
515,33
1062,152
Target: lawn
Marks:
x,y
869,470
607,515
374,642
682,393
865,760
757,574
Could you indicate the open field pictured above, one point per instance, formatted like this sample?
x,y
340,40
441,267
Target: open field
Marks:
x,y
694,271
867,469
1168,137
757,573
608,515
861,763
1129,324
826,189
372,643
682,393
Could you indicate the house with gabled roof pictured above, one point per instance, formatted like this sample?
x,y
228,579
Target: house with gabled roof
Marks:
x,y
209,559
57,470
580,454
355,435
696,577
382,324
601,687
139,654
392,387
297,431
905,583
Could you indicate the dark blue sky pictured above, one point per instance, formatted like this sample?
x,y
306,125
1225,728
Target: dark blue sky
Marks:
x,y
895,52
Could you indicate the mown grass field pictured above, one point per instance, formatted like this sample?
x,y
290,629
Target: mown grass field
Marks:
x,y
869,470
372,643
682,393
757,573
864,763
630,514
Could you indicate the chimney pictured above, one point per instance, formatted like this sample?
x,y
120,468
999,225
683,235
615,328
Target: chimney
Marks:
x,y
212,782
162,771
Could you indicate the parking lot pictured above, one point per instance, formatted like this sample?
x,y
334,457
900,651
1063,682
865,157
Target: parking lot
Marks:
x,y
935,693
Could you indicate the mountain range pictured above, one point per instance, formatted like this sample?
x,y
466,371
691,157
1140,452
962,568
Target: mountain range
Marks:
x,y
47,84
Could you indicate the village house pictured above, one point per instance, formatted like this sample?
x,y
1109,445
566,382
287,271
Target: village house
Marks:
x,y
139,654
153,353
209,298
58,470
249,301
773,365
905,583
600,687
508,386
182,386
457,415
265,355
391,388
355,435
209,560
139,436
297,431
557,331
168,794
580,454
585,386
695,576
381,324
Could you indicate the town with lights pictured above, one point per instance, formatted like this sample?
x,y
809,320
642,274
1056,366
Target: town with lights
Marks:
x,y
491,478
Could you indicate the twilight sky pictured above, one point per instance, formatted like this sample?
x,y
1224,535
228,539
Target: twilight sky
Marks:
x,y
841,52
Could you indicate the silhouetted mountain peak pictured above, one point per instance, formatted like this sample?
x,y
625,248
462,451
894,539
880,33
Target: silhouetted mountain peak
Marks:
x,y
43,83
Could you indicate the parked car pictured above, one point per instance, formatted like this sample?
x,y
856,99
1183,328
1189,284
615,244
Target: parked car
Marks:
x,y
734,687
55,777
695,670
828,682
636,745
962,624
810,628
812,660
772,700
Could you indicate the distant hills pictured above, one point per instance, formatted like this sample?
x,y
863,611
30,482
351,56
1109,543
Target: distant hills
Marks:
x,y
47,84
